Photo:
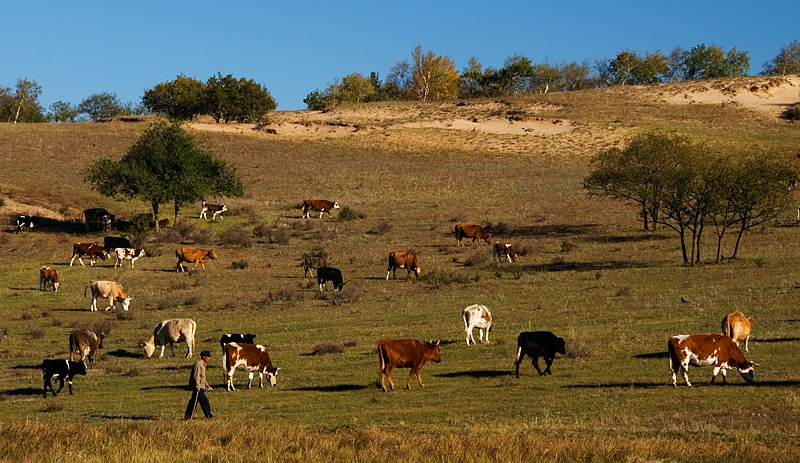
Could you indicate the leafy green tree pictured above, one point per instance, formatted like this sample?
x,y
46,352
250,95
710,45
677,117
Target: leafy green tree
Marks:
x,y
433,77
163,165
21,105
242,100
628,68
99,105
712,62
181,99
316,101
62,111
786,62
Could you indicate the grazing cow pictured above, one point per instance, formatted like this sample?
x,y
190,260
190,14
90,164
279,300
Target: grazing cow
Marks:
x,y
326,274
215,209
163,223
87,249
254,357
113,242
48,276
405,353
320,205
403,260
476,232
737,326
97,218
707,349
539,344
84,343
477,316
313,263
193,256
170,332
504,251
24,221
127,253
238,338
60,370
110,290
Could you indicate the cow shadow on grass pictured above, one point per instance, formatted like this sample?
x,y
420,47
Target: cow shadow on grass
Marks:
x,y
122,353
653,355
22,391
476,374
36,366
560,265
771,340
334,388
125,417
174,386
628,385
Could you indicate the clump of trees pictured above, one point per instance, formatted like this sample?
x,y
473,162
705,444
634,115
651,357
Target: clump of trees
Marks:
x,y
164,165
682,185
94,107
225,98
22,103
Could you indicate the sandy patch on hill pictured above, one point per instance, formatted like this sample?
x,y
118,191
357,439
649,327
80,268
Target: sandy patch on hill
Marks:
x,y
12,207
770,94
509,126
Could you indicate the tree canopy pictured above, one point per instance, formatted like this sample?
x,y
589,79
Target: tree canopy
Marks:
x,y
21,104
164,165
786,62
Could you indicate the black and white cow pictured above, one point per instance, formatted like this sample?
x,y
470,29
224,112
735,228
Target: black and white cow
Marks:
x,y
25,221
60,370
326,274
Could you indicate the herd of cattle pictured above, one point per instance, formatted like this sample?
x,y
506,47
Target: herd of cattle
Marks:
x,y
238,350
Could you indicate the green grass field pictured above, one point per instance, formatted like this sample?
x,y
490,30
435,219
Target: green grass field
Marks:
x,y
586,272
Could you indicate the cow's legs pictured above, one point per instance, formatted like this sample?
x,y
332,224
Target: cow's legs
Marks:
x,y
250,377
520,356
172,348
230,380
389,374
685,373
549,362
93,307
418,372
60,386
70,385
261,379
47,384
746,341
162,351
535,363
381,379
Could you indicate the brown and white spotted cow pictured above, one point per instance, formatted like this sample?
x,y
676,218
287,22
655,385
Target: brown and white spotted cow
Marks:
x,y
477,316
92,250
110,290
320,205
194,256
254,357
403,260
84,343
706,349
120,254
476,232
503,251
215,209
405,353
737,326
48,276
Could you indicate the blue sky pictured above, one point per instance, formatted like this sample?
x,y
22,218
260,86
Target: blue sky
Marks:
x,y
75,49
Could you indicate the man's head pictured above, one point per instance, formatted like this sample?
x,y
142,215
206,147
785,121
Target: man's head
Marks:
x,y
205,355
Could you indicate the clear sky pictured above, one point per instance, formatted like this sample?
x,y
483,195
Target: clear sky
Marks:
x,y
75,49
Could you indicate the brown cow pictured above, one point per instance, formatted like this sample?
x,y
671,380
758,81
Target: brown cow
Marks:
x,y
313,263
737,326
48,276
405,353
476,232
215,209
254,357
320,205
87,249
504,251
403,260
84,343
706,349
195,256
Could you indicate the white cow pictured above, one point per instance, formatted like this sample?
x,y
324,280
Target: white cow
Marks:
x,y
127,253
110,290
169,332
477,316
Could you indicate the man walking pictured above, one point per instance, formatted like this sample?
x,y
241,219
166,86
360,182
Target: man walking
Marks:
x,y
198,385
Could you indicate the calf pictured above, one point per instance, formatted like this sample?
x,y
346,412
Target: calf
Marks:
x,y
477,316
87,249
326,274
60,370
476,232
403,260
706,349
313,263
84,343
170,332
193,256
25,221
254,357
737,327
110,290
504,251
539,344
48,276
405,353
120,254
215,209
320,205
110,243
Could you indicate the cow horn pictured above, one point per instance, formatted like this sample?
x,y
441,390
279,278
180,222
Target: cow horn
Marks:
x,y
437,343
754,364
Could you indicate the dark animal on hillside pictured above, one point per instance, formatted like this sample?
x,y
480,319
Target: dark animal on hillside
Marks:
x,y
537,344
405,353
25,221
313,263
476,232
706,349
113,242
97,218
60,370
326,274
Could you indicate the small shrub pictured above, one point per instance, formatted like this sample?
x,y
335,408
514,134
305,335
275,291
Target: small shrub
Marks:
x,y
347,214
165,304
346,296
123,315
56,322
26,315
477,258
438,278
623,291
235,236
105,326
239,265
499,228
140,224
37,333
792,113
327,347
382,228
191,300
460,217
577,347
284,296
53,406
566,246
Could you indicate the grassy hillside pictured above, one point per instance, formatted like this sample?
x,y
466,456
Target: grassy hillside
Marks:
x,y
586,272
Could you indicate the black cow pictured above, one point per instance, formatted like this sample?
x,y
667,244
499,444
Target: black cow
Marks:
x,y
60,370
238,338
24,221
326,274
538,344
113,242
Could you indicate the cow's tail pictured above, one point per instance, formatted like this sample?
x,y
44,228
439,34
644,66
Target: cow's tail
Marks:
x,y
381,356
727,329
85,289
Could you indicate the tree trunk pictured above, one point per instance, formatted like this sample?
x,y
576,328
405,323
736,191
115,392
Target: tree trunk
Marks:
x,y
739,239
155,215
682,233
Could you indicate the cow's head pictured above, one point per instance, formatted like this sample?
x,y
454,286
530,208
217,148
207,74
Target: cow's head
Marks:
x,y
103,255
559,346
512,256
417,270
149,348
336,205
434,352
747,372
488,238
339,286
55,285
212,254
272,376
77,368
126,303
100,337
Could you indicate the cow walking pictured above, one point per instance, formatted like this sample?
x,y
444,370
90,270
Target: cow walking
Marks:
x,y
61,370
476,232
92,250
120,254
194,256
215,209
84,343
537,344
313,263
110,290
405,353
